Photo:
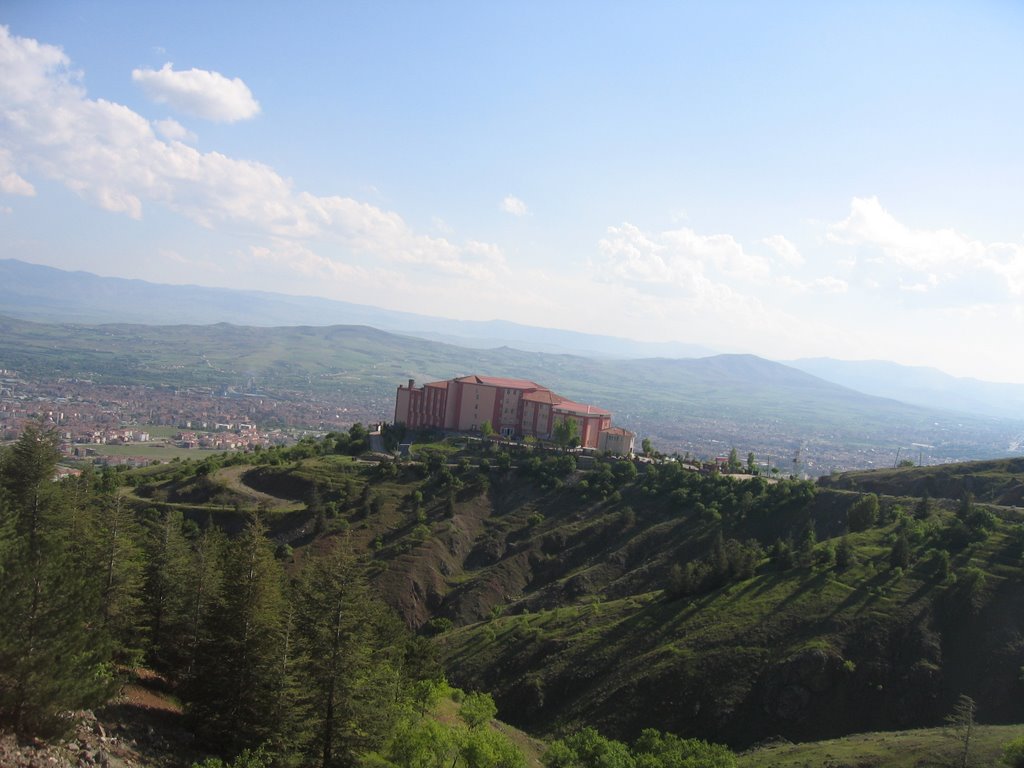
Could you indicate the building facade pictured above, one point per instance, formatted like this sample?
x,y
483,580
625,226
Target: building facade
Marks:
x,y
513,408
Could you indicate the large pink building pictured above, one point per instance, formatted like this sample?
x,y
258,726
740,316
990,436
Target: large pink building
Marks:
x,y
514,407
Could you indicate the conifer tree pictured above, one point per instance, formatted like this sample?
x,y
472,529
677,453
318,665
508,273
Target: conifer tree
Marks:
x,y
899,555
350,659
51,656
205,590
235,685
120,567
844,553
168,572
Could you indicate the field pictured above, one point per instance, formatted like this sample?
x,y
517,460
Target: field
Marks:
x,y
921,748
157,451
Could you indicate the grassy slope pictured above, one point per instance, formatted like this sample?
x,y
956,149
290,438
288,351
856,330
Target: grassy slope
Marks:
x,y
922,748
563,616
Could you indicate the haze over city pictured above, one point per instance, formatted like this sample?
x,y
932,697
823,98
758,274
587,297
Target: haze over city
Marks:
x,y
791,180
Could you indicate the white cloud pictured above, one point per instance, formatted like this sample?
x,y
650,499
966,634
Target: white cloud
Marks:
x,y
112,156
680,257
785,250
10,182
514,205
174,131
198,92
942,256
826,285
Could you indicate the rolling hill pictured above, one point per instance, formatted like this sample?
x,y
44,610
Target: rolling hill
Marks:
x,y
703,406
718,607
48,295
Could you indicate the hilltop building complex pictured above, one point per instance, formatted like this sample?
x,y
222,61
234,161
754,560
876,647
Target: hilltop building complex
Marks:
x,y
513,407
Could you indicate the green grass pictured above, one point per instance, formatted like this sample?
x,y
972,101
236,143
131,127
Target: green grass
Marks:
x,y
922,748
156,451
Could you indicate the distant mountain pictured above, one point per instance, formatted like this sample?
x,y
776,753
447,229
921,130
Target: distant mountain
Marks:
x,y
920,386
704,406
49,295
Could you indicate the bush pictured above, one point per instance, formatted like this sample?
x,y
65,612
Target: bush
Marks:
x,y
863,514
1013,753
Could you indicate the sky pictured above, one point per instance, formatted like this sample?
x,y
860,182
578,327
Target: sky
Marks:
x,y
786,179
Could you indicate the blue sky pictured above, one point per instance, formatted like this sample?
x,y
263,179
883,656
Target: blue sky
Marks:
x,y
788,179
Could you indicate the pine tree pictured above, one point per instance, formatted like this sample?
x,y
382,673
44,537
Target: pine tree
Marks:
x,y
899,555
52,656
204,591
349,657
120,565
168,571
844,553
235,685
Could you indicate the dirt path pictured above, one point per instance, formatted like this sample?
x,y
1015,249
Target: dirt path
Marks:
x,y
231,478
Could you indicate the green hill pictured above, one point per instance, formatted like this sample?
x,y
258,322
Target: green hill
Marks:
x,y
703,406
729,609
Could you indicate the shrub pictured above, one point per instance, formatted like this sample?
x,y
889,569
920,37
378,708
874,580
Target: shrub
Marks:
x,y
1013,753
863,514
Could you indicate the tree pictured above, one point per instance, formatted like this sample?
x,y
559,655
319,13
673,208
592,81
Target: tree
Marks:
x,y
488,748
350,659
1013,753
960,723
965,507
923,510
899,555
486,430
734,461
657,750
168,569
808,540
478,709
844,553
863,514
751,464
566,433
645,446
120,561
588,749
235,687
52,654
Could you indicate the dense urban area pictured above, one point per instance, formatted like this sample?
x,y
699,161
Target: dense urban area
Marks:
x,y
105,422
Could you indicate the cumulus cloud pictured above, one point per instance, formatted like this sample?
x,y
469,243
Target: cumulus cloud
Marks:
x,y
514,205
10,182
174,131
818,285
681,257
199,93
785,250
111,156
942,255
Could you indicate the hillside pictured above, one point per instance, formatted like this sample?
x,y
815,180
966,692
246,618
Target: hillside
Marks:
x,y
920,386
695,604
704,406
48,295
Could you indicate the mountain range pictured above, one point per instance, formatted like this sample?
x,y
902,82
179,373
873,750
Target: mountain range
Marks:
x,y
809,416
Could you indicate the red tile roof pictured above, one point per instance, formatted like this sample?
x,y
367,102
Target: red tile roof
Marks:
x,y
543,396
580,409
497,381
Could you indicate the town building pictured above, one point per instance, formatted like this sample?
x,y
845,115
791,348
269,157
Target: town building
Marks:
x,y
513,408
